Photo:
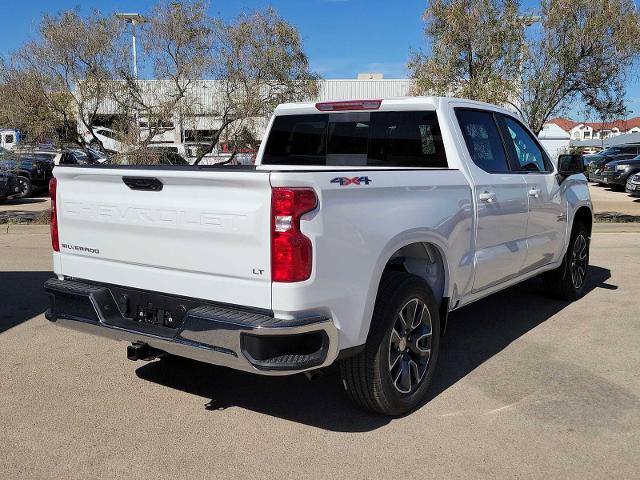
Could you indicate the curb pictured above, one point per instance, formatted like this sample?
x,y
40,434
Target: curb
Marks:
x,y
632,227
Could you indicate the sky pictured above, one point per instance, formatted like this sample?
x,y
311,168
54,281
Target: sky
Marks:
x,y
341,37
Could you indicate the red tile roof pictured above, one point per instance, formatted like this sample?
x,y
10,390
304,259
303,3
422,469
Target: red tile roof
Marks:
x,y
622,125
563,123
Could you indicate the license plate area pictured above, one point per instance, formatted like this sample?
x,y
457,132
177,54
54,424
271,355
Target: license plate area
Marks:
x,y
149,313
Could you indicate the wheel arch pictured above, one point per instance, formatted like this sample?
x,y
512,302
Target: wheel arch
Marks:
x,y
583,215
421,255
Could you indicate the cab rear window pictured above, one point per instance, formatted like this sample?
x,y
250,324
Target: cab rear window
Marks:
x,y
384,139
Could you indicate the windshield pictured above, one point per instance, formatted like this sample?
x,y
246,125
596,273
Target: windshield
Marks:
x,y
47,157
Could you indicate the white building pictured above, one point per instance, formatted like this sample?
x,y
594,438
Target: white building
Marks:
x,y
555,140
201,124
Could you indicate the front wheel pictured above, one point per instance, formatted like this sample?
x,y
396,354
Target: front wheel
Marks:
x,y
393,372
569,280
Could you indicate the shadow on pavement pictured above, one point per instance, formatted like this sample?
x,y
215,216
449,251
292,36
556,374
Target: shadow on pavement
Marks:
x,y
475,334
22,297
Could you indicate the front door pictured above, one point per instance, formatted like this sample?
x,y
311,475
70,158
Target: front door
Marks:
x,y
547,221
501,201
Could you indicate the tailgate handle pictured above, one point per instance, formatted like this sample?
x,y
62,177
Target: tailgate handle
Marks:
x,y
143,183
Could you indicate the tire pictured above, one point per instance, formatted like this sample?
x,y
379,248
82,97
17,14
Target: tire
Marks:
x,y
376,380
569,280
2,200
25,186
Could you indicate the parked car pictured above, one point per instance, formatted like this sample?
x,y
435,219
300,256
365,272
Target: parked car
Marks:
x,y
361,226
616,173
109,139
8,185
57,155
33,173
633,185
176,148
47,152
77,156
599,160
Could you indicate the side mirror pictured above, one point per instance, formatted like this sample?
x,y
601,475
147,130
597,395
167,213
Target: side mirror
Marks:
x,y
570,165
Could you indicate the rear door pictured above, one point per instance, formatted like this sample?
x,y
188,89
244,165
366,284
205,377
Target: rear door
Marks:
x,y
546,226
501,201
190,232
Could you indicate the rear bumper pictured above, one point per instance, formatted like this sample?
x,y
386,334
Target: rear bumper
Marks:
x,y
230,337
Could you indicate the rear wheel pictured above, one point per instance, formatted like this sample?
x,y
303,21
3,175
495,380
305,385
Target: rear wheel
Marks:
x,y
569,280
393,372
25,188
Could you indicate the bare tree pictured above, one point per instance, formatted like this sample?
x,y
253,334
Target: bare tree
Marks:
x,y
475,53
62,76
259,62
61,83
585,53
177,40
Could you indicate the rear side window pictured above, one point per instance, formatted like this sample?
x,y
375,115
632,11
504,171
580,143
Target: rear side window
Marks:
x,y
483,140
384,139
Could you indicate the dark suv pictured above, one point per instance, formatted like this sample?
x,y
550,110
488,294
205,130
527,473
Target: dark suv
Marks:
x,y
615,174
33,173
597,161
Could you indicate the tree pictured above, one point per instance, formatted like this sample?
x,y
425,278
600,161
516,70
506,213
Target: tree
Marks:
x,y
583,52
476,50
61,76
177,40
259,62
59,83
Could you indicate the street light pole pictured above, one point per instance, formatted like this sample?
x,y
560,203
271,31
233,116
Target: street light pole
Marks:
x,y
133,19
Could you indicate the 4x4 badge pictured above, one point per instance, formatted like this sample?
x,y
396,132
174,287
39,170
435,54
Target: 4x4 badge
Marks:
x,y
344,181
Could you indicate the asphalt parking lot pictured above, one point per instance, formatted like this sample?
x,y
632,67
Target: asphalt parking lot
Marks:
x,y
527,387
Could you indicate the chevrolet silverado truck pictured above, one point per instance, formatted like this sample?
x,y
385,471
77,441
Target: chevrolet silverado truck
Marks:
x,y
360,227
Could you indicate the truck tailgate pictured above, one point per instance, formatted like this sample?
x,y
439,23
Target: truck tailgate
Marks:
x,y
204,234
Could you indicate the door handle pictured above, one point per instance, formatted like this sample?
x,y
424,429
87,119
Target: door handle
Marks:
x,y
486,196
534,192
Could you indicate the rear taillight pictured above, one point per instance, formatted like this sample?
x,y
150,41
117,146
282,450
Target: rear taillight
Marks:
x,y
291,251
55,241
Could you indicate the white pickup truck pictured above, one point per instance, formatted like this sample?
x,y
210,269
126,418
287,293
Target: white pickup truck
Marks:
x,y
361,226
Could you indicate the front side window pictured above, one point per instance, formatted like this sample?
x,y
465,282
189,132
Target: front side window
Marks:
x,y
385,139
8,138
527,152
483,140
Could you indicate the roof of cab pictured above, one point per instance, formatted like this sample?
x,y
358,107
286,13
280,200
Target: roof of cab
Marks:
x,y
392,104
